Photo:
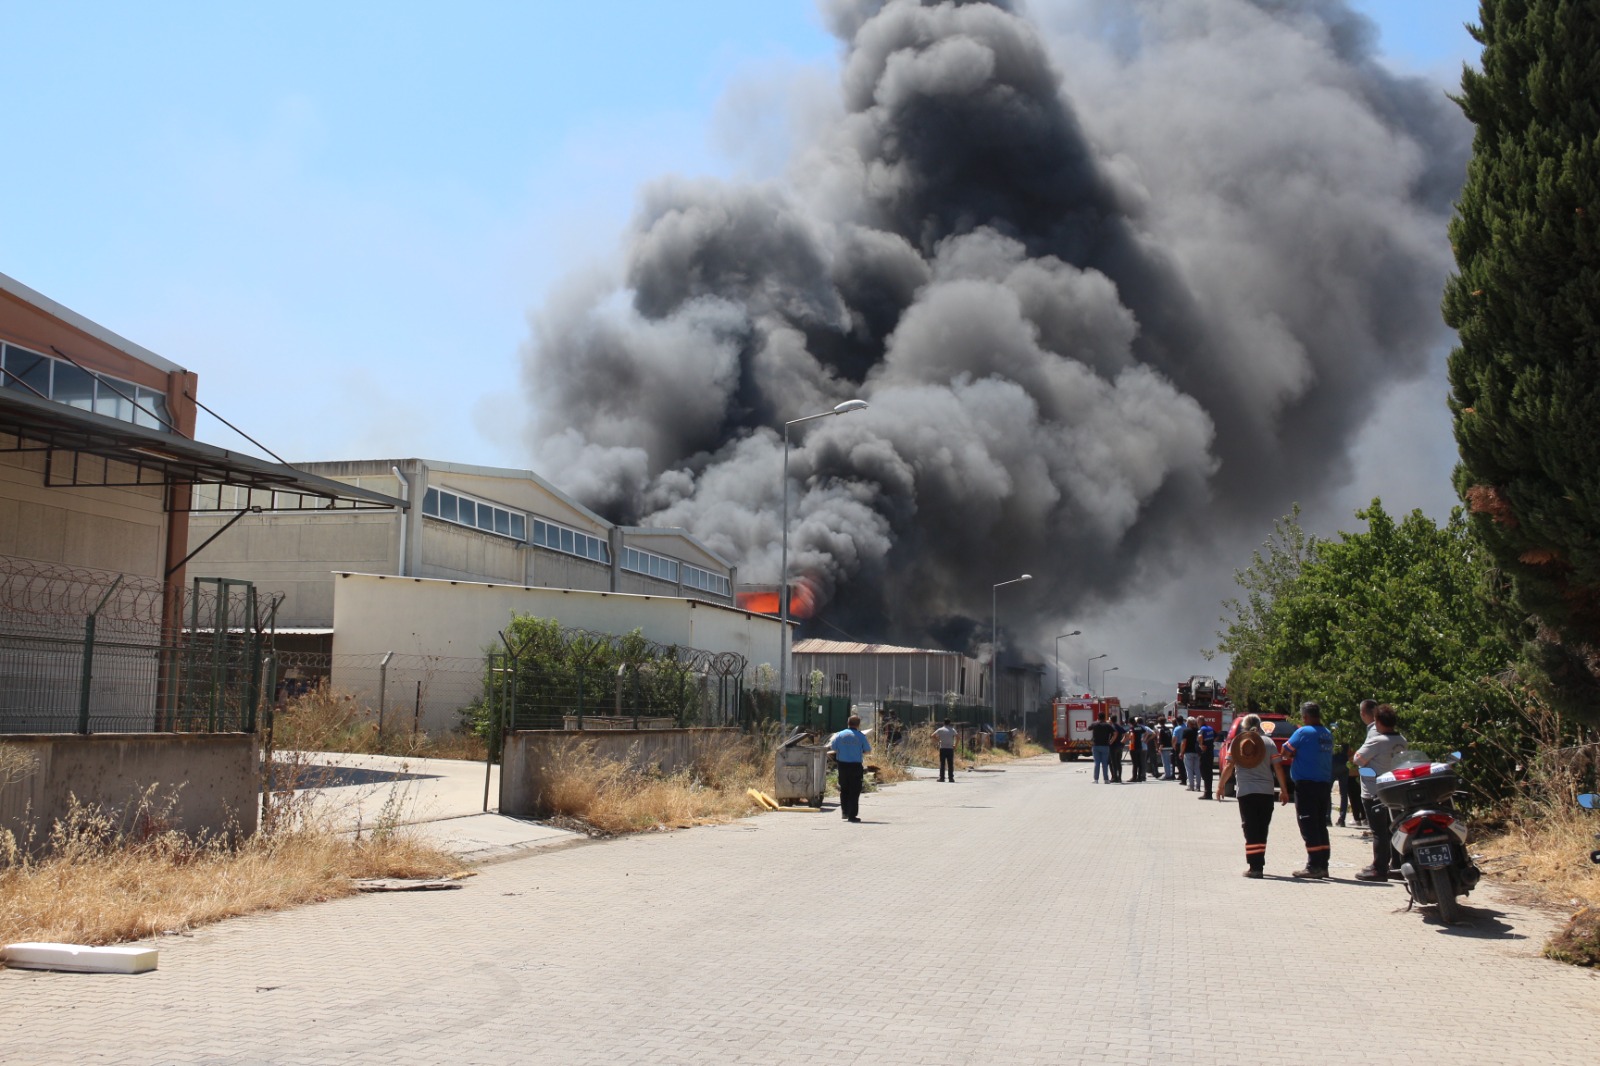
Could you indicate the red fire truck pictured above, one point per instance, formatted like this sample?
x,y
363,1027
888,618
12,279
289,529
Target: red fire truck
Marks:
x,y
1205,698
1073,716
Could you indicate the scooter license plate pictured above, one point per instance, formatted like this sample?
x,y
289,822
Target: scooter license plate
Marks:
x,y
1432,856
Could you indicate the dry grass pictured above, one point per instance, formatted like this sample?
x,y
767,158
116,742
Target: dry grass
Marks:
x,y
613,797
1548,854
16,763
326,720
100,878
919,747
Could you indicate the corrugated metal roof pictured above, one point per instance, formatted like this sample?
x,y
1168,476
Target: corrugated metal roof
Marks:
x,y
818,646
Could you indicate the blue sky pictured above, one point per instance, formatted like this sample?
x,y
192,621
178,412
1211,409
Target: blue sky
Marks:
x,y
340,215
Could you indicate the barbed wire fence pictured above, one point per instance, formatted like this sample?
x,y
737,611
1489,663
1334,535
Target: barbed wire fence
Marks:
x,y
85,650
545,676
92,651
579,679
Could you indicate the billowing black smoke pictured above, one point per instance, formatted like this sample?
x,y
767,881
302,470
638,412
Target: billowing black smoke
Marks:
x,y
1096,334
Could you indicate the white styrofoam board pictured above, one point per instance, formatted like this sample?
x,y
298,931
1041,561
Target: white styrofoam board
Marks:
x,y
78,958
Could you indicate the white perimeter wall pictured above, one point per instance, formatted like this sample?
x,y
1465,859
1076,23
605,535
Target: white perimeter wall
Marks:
x,y
422,616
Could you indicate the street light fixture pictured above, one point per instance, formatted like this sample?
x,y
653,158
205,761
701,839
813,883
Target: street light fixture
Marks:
x,y
1103,673
1088,672
1059,639
994,648
783,567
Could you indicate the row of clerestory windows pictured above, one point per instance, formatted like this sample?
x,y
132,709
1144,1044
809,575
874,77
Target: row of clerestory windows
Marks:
x,y
488,517
66,383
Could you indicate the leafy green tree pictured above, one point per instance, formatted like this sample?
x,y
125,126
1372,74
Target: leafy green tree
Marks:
x,y
1250,624
1525,378
1396,613
551,675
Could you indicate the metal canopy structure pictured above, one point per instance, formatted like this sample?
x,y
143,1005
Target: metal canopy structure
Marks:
x,y
86,450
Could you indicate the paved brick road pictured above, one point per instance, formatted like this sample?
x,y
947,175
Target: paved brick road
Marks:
x,y
960,924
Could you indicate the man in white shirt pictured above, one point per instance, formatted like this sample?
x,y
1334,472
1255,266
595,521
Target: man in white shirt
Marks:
x,y
946,736
1383,749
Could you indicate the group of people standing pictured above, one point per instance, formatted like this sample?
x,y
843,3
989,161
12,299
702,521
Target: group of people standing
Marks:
x,y
1167,749
1304,771
1305,768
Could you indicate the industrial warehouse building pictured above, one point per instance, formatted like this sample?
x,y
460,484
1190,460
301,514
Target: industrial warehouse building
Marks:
x,y
399,606
916,683
457,523
110,679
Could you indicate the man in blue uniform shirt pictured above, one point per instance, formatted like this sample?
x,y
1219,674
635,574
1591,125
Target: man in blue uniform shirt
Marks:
x,y
1309,753
849,746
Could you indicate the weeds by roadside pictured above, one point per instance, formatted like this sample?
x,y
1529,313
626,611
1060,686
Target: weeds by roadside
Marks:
x,y
101,879
609,796
1539,839
1550,855
327,720
918,747
99,876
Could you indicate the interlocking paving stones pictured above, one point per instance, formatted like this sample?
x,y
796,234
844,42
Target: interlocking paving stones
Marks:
x,y
1019,917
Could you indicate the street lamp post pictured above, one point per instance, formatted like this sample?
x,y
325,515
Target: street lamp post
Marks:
x,y
1103,673
1088,672
783,567
1059,639
994,648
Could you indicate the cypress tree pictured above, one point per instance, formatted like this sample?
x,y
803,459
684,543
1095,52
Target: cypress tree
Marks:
x,y
1525,378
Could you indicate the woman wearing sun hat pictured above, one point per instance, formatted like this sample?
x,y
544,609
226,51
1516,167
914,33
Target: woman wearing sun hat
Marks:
x,y
1254,765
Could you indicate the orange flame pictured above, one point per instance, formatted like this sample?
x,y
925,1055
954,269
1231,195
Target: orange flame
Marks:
x,y
764,600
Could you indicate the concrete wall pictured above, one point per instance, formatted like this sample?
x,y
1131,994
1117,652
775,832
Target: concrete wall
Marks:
x,y
416,616
121,530
218,775
556,570
452,551
296,554
528,756
642,585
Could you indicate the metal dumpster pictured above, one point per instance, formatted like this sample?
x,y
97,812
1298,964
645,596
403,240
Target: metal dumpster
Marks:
x,y
802,774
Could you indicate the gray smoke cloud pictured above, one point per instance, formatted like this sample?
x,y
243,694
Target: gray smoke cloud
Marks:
x,y
1120,280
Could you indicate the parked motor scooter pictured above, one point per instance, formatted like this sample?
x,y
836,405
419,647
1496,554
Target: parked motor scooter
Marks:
x,y
1429,836
1589,801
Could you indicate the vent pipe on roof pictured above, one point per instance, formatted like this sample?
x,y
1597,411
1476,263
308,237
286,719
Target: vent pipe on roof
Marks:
x,y
405,518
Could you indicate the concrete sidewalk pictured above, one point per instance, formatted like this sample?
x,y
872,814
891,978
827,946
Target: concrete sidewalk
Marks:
x,y
1016,917
438,800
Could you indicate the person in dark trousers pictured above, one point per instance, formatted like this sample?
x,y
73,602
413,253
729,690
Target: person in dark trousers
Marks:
x,y
1358,806
1178,749
1341,779
849,746
1100,735
1138,738
1310,754
1368,711
946,736
1381,751
1253,762
1118,739
1208,756
1164,739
